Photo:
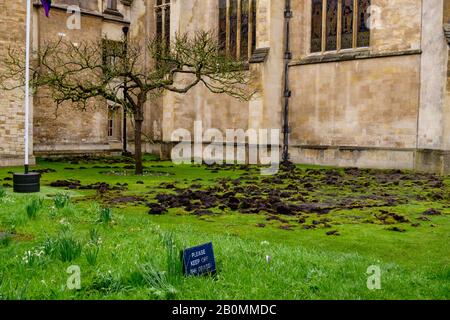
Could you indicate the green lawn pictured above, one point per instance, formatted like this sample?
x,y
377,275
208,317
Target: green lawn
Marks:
x,y
314,235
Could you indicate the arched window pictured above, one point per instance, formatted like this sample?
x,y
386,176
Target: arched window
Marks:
x,y
162,14
339,24
237,27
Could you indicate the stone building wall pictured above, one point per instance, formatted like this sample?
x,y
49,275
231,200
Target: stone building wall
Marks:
x,y
221,111
384,106
371,107
12,102
65,129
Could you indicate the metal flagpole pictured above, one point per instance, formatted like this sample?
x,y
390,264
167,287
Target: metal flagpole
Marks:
x,y
27,85
28,182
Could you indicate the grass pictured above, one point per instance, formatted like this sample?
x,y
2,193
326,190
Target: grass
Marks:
x,y
125,253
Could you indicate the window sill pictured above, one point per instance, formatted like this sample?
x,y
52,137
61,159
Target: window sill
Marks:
x,y
113,12
259,56
349,55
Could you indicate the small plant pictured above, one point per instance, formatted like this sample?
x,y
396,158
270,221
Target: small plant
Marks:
x,y
5,240
53,213
34,207
158,282
91,252
106,215
61,200
94,237
49,246
107,282
174,265
93,247
67,248
65,226
33,257
2,193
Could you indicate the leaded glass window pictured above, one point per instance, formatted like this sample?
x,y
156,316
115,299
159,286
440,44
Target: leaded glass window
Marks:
x,y
162,17
339,24
237,27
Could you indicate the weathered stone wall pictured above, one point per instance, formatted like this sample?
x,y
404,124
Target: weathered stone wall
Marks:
x,y
383,106
215,111
12,33
432,122
221,111
65,129
368,103
365,110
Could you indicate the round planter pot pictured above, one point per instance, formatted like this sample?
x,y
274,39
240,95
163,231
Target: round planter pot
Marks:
x,y
27,182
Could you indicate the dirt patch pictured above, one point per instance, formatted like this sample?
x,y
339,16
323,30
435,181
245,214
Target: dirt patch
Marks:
x,y
23,237
90,159
101,187
130,199
44,170
156,209
386,217
70,184
396,229
432,212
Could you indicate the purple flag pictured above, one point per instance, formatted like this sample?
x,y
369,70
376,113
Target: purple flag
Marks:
x,y
47,4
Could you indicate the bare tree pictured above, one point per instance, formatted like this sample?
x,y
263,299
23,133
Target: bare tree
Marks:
x,y
75,74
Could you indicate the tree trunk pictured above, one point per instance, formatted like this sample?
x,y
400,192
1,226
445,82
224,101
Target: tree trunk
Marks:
x,y
138,120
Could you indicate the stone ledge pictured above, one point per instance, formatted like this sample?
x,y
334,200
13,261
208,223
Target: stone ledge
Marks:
x,y
350,148
259,56
349,56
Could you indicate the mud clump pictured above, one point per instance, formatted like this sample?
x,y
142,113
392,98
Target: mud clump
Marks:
x,y
71,184
286,227
121,200
432,212
386,217
44,170
156,209
203,213
396,229
333,233
276,218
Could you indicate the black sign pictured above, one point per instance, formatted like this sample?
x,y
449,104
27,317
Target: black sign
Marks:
x,y
199,260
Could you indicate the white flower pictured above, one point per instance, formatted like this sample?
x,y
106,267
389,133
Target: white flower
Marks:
x,y
265,243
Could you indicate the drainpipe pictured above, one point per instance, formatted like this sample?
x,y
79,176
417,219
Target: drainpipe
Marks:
x,y
287,91
125,90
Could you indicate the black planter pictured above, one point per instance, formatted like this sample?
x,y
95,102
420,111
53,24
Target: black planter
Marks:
x,y
27,182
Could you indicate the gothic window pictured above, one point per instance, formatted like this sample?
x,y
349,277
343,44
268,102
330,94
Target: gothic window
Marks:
x,y
347,24
113,123
237,27
339,24
316,24
363,17
331,23
111,116
162,14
